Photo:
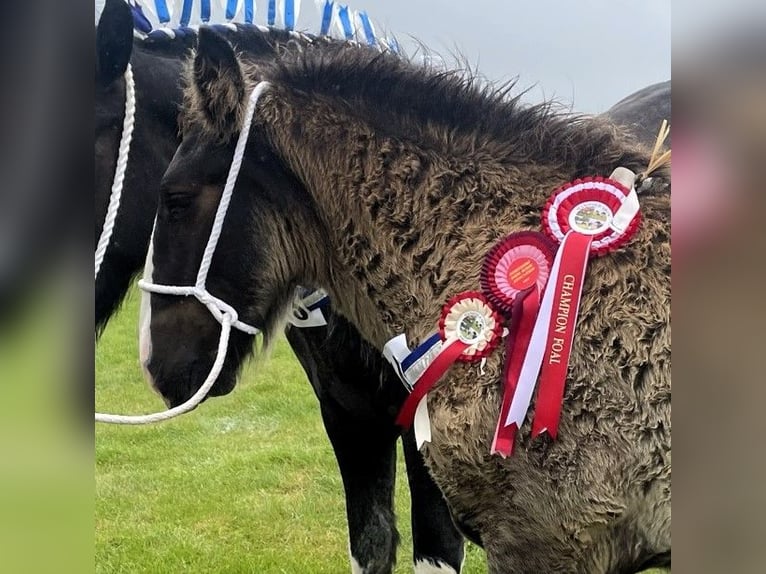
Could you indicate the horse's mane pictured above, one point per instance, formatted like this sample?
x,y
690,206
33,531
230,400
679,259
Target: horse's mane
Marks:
x,y
454,110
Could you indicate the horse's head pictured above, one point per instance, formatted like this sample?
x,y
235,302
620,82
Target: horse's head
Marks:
x,y
114,44
179,336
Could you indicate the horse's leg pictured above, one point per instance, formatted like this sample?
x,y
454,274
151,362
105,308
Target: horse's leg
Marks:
x,y
366,456
637,543
437,544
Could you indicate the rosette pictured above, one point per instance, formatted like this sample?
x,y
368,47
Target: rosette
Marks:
x,y
470,319
588,206
470,330
522,260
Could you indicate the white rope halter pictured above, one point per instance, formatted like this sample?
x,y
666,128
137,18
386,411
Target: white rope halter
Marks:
x,y
119,172
221,311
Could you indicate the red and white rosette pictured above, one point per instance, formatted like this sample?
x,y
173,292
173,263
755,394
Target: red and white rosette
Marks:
x,y
590,216
469,321
599,207
470,329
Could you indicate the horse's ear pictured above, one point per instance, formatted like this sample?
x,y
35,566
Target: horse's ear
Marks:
x,y
114,41
218,79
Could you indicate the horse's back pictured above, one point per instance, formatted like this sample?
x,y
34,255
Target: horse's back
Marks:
x,y
642,112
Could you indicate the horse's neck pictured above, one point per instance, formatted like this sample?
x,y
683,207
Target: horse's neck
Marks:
x,y
409,228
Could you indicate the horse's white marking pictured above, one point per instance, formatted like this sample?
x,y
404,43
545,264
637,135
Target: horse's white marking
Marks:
x,y
425,566
356,568
145,318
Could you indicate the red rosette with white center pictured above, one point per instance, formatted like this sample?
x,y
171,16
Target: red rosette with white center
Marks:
x,y
520,261
588,206
469,318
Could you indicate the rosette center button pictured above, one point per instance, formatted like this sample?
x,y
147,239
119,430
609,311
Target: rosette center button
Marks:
x,y
470,327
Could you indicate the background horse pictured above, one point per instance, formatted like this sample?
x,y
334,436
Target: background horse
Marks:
x,y
395,182
642,112
357,410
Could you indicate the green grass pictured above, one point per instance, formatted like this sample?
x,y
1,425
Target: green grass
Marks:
x,y
246,483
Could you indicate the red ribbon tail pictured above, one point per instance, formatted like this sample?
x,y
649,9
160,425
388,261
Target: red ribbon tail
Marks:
x,y
505,438
524,314
561,334
427,380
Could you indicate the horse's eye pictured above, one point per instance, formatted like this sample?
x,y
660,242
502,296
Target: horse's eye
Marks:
x,y
176,203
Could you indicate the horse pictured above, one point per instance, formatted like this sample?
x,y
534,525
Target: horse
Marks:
x,y
344,372
386,183
643,111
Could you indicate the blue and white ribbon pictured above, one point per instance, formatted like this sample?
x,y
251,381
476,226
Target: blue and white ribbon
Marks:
x,y
307,309
393,45
344,21
204,10
163,14
140,21
285,13
410,366
186,12
328,9
232,7
367,28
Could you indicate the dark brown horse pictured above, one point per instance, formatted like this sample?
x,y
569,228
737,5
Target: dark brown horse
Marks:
x,y
387,183
357,411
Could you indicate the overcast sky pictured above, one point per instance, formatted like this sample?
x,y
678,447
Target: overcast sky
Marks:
x,y
588,53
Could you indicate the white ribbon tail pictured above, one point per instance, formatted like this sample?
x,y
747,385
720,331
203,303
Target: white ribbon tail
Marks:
x,y
422,423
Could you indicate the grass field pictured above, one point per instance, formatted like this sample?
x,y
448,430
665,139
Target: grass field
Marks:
x,y
246,483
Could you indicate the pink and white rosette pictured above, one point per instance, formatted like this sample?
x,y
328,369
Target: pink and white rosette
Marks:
x,y
521,261
513,277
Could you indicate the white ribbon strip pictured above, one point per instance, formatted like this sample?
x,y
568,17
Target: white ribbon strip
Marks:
x,y
630,206
416,369
422,423
396,351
